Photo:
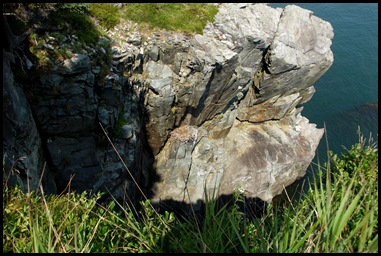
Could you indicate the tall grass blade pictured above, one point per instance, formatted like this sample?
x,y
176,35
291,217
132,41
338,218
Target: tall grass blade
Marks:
x,y
373,245
342,217
243,244
296,247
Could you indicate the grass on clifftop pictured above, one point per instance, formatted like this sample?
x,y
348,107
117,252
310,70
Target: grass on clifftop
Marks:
x,y
179,17
88,21
338,214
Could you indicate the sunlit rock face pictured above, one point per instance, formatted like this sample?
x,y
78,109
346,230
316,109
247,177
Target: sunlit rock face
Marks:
x,y
240,86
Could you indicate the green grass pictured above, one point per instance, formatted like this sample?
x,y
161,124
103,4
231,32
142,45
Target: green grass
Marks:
x,y
187,18
72,19
119,123
76,223
88,21
76,20
339,213
107,14
218,232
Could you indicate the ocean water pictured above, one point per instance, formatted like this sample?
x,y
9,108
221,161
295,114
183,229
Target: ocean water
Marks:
x,y
347,94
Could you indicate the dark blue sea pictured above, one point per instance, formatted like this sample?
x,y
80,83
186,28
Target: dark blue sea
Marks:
x,y
347,94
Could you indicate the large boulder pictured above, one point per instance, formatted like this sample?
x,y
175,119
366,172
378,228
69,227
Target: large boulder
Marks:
x,y
240,87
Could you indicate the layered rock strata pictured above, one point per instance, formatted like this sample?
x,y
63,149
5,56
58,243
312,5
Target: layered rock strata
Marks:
x,y
188,114
240,87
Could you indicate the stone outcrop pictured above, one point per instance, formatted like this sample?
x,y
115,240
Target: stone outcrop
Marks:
x,y
257,67
23,154
188,114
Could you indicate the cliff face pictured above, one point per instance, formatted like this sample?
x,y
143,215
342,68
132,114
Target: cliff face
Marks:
x,y
193,114
239,87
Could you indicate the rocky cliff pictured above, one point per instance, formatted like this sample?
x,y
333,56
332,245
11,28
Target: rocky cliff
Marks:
x,y
188,114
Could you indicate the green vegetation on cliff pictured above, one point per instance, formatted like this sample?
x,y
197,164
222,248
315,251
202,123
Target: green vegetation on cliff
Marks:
x,y
188,18
89,20
53,32
339,213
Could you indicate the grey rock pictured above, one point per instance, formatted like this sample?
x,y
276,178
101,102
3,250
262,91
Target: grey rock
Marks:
x,y
103,116
23,159
49,46
75,158
28,63
111,97
135,39
51,80
127,131
77,64
153,53
159,103
255,139
242,5
102,50
96,70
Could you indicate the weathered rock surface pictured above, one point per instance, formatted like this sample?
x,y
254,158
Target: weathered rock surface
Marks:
x,y
23,154
251,136
187,114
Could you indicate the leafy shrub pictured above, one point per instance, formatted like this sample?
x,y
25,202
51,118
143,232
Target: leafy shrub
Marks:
x,y
359,157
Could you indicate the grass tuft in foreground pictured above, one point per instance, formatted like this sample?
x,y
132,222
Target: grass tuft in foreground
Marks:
x,y
339,213
75,223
